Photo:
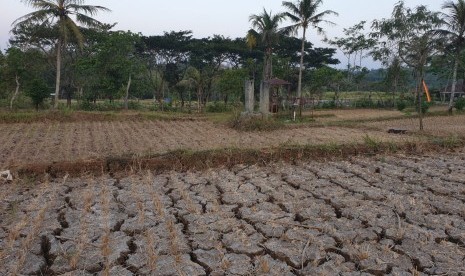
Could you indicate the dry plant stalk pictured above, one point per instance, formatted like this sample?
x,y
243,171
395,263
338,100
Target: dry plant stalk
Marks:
x,y
173,236
190,205
105,245
36,223
156,200
82,240
264,265
150,250
136,195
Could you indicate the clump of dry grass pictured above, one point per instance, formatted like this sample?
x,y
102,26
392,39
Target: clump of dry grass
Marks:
x,y
105,243
249,123
264,265
36,223
151,251
82,239
173,240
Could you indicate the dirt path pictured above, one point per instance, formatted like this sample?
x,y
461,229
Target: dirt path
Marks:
x,y
54,142
386,216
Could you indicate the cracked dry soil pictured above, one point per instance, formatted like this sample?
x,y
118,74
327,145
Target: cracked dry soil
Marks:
x,y
389,215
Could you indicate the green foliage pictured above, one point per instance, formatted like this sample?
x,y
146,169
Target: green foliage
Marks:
x,y
230,84
100,106
218,107
364,103
372,143
460,104
38,91
401,105
328,105
425,107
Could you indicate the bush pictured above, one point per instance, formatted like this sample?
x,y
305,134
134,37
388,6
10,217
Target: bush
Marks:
x,y
134,105
424,107
328,105
364,103
401,105
460,104
218,107
105,106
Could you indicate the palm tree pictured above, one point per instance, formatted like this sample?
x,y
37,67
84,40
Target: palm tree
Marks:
x,y
304,14
266,28
61,13
454,22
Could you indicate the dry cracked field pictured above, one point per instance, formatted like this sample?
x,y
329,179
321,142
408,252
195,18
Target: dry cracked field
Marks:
x,y
390,215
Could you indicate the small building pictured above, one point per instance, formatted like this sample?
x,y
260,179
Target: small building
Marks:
x,y
447,91
280,94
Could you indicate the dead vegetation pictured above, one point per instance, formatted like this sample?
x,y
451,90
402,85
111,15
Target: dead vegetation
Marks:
x,y
196,198
382,215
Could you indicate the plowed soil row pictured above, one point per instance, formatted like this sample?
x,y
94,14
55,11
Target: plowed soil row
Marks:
x,y
392,215
57,141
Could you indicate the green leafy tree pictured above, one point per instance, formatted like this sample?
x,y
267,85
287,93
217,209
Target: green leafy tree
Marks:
x,y
167,57
305,14
118,63
19,67
231,83
267,32
354,45
65,15
325,78
197,80
38,90
454,33
15,68
416,41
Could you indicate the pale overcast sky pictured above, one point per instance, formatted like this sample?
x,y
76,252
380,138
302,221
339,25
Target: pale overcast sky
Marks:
x,y
208,17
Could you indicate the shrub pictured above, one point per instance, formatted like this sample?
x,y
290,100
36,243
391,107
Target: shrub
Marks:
x,y
401,105
460,104
424,107
364,103
134,105
218,107
328,105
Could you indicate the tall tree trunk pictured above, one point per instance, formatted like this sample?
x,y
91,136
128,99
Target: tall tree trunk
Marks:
x,y
454,84
68,99
299,86
58,75
268,71
127,93
161,94
348,67
199,99
16,92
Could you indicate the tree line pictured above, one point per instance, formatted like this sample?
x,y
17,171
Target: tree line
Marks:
x,y
60,48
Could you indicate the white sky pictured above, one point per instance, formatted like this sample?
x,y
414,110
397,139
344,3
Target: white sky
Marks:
x,y
208,17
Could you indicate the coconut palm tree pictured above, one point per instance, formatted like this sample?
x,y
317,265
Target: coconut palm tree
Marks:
x,y
305,14
65,15
266,29
454,21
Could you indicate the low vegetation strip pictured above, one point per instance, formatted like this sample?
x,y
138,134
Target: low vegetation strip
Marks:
x,y
182,160
66,116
